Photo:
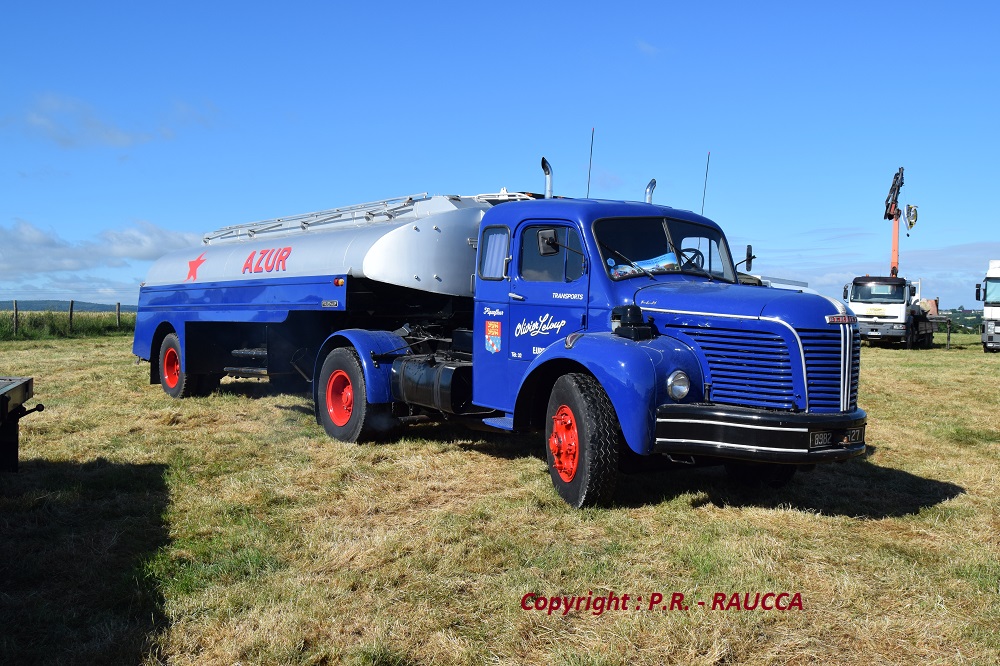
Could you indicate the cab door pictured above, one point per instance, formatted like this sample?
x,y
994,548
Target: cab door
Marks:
x,y
549,289
491,321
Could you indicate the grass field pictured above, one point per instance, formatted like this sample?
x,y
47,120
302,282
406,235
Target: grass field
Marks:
x,y
229,529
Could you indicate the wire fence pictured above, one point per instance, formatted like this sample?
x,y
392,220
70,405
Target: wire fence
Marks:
x,y
17,324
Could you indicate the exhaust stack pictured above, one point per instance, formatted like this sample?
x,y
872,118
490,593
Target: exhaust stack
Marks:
x,y
649,190
547,170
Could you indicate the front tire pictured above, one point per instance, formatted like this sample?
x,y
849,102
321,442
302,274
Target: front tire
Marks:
x,y
582,436
342,405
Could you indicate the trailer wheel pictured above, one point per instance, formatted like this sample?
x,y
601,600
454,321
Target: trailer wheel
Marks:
x,y
175,382
342,400
582,435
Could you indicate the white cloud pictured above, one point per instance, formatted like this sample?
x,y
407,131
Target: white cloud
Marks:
x,y
29,251
72,123
647,48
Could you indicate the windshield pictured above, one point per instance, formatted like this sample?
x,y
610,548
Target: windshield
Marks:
x,y
638,246
992,295
874,292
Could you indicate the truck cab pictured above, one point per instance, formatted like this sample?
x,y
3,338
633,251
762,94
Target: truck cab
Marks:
x,y
622,328
888,310
989,293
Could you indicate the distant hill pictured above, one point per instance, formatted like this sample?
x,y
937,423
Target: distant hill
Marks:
x,y
62,306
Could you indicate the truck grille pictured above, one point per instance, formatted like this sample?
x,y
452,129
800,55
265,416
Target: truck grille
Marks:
x,y
749,368
824,366
754,368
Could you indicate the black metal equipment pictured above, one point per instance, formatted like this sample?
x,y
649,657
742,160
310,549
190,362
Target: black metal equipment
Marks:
x,y
14,392
892,201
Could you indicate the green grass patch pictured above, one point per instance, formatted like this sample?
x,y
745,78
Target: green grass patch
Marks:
x,y
48,325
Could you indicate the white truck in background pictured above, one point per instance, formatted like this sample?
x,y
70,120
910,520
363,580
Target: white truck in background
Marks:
x,y
890,309
989,293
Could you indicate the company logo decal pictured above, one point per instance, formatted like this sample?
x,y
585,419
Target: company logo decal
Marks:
x,y
193,267
493,336
492,312
567,296
542,326
267,261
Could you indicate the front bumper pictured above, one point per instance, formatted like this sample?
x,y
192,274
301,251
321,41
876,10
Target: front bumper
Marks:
x,y
879,330
738,433
991,340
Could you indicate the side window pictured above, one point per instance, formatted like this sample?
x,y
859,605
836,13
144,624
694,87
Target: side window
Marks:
x,y
562,265
494,254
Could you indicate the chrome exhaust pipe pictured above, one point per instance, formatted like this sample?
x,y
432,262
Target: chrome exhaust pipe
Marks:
x,y
547,170
649,190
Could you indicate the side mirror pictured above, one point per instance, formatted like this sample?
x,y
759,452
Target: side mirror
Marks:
x,y
750,258
547,244
979,292
845,292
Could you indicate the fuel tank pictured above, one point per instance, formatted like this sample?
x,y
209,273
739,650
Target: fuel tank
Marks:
x,y
421,242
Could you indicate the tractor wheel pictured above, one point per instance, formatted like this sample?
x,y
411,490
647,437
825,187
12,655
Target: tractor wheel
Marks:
x,y
582,436
342,405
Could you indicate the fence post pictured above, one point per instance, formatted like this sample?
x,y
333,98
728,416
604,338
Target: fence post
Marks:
x,y
15,318
118,314
71,316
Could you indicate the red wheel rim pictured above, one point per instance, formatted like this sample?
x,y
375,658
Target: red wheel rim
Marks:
x,y
564,443
171,367
339,398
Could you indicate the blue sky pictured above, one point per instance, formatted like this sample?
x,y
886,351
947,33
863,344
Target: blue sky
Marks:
x,y
130,129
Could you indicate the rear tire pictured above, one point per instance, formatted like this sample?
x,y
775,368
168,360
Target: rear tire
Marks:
x,y
582,436
175,382
342,405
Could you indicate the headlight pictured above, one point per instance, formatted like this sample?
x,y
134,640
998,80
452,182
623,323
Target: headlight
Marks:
x,y
678,385
898,326
991,327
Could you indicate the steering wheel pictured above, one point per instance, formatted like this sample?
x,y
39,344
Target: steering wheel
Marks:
x,y
691,256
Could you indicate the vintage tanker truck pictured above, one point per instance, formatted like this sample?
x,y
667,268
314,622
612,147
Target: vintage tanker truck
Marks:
x,y
616,328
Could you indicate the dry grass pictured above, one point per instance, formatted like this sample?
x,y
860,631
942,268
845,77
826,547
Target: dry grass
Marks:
x,y
228,529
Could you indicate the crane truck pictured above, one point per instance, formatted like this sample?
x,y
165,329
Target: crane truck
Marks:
x,y
888,308
616,329
989,293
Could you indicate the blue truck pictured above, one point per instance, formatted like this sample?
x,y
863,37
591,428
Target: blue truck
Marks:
x,y
618,329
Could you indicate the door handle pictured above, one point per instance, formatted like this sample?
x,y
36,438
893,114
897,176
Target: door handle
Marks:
x,y
516,297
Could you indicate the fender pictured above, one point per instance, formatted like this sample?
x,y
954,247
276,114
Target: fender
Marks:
x,y
634,375
150,323
366,343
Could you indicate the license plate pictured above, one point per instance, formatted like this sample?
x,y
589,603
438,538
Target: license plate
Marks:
x,y
836,437
874,332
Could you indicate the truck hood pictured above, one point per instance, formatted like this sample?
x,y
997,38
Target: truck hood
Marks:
x,y
676,302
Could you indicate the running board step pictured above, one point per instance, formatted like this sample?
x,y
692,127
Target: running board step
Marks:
x,y
260,352
246,372
501,422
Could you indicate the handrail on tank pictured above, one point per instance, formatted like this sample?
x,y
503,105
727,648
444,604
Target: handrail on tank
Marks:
x,y
388,207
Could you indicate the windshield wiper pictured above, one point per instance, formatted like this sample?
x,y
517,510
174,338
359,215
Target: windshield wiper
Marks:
x,y
626,259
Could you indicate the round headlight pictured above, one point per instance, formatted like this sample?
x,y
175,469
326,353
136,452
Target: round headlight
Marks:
x,y
678,384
